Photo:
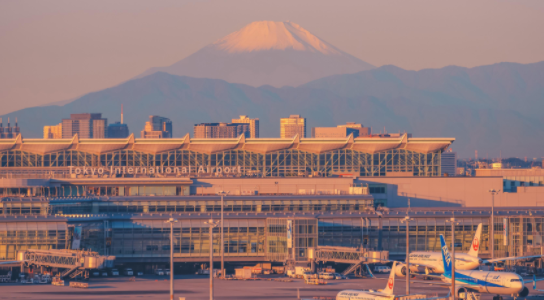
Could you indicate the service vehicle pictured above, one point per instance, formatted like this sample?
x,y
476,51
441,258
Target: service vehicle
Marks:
x,y
382,269
325,275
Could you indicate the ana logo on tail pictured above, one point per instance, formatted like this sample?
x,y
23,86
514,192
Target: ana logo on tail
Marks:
x,y
475,244
446,254
390,283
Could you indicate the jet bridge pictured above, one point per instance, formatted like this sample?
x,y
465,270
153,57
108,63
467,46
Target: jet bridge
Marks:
x,y
347,255
74,262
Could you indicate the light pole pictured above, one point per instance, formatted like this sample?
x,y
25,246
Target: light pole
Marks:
x,y
407,220
212,225
171,221
453,223
222,193
493,192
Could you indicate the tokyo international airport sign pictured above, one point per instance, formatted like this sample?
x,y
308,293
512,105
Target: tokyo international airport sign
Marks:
x,y
155,170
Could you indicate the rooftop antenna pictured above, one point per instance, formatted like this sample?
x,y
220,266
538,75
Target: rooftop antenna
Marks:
x,y
122,114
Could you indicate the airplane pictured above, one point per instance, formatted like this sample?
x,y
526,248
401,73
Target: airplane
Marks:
x,y
489,282
386,293
424,263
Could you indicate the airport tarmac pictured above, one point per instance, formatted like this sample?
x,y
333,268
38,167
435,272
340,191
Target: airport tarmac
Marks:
x,y
194,287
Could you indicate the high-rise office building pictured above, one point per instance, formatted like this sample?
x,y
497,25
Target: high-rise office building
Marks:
x,y
448,162
363,131
334,132
157,128
118,130
295,124
220,130
253,125
9,132
100,128
87,126
52,132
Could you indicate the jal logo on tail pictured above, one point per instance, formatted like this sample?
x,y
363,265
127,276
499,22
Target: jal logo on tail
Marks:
x,y
475,244
390,283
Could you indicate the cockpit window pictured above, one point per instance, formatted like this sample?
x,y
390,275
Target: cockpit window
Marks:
x,y
515,280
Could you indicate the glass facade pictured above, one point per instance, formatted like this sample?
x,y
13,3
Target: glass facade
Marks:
x,y
282,163
180,206
524,235
16,236
267,237
151,238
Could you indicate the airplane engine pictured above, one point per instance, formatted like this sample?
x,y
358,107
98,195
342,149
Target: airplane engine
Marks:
x,y
417,269
524,292
400,270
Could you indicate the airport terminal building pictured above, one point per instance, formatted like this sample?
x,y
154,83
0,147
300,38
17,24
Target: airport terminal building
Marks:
x,y
113,196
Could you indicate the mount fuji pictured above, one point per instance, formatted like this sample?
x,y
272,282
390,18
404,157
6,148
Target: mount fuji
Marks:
x,y
267,53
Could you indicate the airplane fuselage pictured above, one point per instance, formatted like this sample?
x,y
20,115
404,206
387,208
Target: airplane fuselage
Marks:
x,y
500,283
362,295
463,261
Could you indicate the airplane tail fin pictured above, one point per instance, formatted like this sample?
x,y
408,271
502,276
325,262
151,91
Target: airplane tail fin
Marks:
x,y
475,247
391,282
446,258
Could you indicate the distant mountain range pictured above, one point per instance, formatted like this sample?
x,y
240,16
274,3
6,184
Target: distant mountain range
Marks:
x,y
267,53
488,108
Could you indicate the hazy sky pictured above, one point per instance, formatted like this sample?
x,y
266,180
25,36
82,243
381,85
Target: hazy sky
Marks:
x,y
58,50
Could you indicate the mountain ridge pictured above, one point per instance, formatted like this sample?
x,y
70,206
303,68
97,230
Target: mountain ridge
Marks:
x,y
476,124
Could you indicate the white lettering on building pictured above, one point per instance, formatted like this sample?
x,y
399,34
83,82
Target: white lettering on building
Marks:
x,y
154,170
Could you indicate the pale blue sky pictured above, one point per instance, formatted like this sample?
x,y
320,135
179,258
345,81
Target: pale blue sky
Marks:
x,y
58,50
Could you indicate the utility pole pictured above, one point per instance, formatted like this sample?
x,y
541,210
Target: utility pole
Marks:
x,y
212,225
492,238
453,223
407,220
171,221
222,193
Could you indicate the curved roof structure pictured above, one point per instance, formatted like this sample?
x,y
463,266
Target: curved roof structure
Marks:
x,y
257,145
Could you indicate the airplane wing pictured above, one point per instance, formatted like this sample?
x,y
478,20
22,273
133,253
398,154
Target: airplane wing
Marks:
x,y
427,275
431,283
534,280
511,258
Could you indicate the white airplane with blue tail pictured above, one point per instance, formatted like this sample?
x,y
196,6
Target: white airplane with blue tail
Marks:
x,y
490,282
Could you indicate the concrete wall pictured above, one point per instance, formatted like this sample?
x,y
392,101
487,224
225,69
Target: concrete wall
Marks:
x,y
422,191
438,191
22,183
525,196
